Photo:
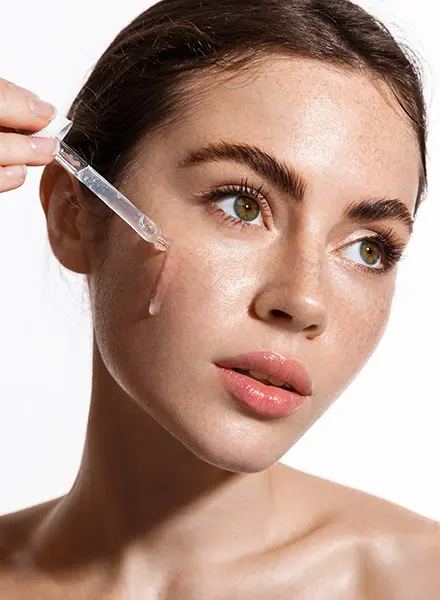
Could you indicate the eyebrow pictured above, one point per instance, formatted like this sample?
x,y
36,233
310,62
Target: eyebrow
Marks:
x,y
288,181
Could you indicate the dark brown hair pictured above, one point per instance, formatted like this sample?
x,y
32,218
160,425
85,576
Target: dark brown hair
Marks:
x,y
141,82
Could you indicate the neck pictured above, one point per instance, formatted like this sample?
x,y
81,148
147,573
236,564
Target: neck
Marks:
x,y
140,491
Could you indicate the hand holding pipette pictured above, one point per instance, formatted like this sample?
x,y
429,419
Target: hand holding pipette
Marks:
x,y
22,109
18,116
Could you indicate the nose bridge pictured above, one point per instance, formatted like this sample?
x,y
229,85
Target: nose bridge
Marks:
x,y
297,286
302,264
304,276
303,253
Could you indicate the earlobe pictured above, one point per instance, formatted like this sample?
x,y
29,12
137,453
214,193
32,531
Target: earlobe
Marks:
x,y
70,230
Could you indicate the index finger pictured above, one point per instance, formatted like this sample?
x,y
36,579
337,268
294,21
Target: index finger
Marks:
x,y
22,109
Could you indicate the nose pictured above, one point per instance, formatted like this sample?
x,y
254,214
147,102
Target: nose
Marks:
x,y
295,293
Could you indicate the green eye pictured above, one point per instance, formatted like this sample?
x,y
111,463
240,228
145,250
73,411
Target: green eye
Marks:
x,y
370,252
246,208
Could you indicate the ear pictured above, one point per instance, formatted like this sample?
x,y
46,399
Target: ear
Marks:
x,y
71,231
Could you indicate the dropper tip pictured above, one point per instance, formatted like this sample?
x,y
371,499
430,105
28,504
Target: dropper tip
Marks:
x,y
162,244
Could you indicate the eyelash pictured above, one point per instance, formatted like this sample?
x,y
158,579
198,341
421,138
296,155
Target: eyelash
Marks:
x,y
392,249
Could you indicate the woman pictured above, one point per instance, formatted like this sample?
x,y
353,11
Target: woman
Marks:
x,y
281,147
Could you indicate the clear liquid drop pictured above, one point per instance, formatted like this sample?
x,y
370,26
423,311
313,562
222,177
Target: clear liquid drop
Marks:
x,y
162,282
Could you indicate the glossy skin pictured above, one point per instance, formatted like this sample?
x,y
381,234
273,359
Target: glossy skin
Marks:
x,y
180,493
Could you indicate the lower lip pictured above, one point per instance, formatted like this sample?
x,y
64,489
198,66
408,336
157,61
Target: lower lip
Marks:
x,y
266,400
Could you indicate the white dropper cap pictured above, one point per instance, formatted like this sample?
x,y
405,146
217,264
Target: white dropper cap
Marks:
x,y
59,127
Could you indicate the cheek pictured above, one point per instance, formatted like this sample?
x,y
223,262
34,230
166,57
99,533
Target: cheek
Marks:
x,y
120,289
366,319
208,289
357,321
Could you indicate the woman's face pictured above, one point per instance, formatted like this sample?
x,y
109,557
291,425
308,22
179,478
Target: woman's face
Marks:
x,y
297,279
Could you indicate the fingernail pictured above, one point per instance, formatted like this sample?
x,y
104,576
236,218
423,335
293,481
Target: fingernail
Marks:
x,y
49,146
16,171
41,109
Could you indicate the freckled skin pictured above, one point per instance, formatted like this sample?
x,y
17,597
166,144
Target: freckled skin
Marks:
x,y
221,302
175,477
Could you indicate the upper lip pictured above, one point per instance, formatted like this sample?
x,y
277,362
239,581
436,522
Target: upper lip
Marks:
x,y
276,365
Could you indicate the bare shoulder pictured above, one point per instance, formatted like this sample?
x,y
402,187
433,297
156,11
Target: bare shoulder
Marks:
x,y
393,551
400,548
17,527
16,531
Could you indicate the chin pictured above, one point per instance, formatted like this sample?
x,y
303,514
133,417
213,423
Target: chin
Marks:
x,y
236,448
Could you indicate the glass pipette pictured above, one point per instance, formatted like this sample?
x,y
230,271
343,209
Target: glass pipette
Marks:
x,y
87,175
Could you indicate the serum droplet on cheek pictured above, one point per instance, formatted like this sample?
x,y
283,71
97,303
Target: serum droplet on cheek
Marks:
x,y
163,279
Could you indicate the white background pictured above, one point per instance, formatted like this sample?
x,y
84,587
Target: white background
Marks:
x,y
381,435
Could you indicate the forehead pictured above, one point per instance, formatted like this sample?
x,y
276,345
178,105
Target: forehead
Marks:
x,y
339,123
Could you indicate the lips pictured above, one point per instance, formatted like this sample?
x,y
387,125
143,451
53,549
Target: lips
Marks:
x,y
275,365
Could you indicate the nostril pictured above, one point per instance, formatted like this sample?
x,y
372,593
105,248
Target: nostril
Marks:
x,y
280,314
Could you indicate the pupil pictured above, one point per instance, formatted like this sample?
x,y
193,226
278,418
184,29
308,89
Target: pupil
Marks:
x,y
369,251
246,208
